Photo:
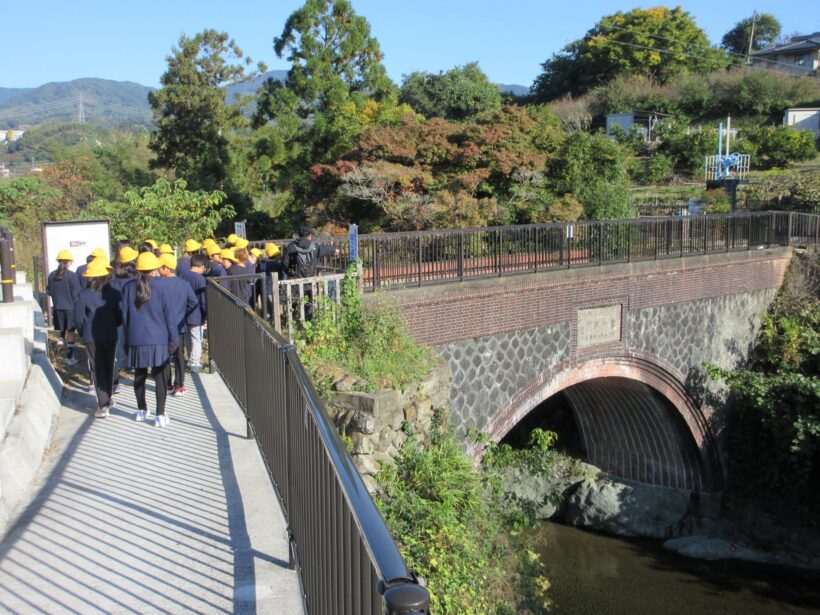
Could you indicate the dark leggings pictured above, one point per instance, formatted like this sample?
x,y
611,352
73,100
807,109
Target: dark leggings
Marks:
x,y
101,368
178,361
160,376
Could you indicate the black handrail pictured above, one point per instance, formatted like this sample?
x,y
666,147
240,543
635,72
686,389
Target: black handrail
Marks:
x,y
348,561
416,258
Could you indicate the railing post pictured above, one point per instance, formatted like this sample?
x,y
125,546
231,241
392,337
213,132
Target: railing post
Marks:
x,y
680,224
285,360
600,226
7,266
791,228
749,234
461,255
628,241
418,256
406,599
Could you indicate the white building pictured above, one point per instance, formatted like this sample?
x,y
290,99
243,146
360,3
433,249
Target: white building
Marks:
x,y
10,135
805,118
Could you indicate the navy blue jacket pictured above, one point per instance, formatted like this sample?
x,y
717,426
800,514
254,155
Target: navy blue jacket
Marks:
x,y
119,283
272,267
80,278
182,299
242,288
98,314
198,315
215,270
183,264
153,323
64,293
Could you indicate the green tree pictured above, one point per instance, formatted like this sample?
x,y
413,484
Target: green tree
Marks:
x,y
333,58
166,211
191,111
658,42
458,94
766,31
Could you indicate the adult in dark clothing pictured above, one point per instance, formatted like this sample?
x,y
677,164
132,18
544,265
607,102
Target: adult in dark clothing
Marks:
x,y
63,287
98,315
151,334
198,316
183,301
302,261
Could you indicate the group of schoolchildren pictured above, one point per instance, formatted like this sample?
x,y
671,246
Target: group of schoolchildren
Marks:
x,y
144,311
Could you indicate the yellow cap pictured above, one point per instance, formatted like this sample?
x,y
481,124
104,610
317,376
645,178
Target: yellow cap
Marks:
x,y
165,249
97,268
147,261
228,254
232,238
213,249
241,242
97,252
191,245
256,252
65,255
271,249
208,242
151,243
127,254
168,260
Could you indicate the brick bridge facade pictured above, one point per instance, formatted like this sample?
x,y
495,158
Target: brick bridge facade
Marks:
x,y
625,342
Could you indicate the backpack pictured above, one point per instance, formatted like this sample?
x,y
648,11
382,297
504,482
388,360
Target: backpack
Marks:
x,y
302,261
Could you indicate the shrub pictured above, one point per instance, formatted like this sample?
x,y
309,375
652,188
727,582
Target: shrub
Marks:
x,y
779,146
368,340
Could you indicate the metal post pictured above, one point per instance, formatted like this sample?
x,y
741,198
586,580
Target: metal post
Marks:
x,y
418,256
791,228
406,599
600,226
461,255
7,269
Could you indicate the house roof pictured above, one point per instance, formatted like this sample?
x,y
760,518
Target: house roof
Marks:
x,y
809,42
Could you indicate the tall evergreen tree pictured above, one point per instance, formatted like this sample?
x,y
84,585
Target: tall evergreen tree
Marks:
x,y
191,111
766,31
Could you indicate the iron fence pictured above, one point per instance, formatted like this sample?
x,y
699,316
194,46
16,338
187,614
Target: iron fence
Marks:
x,y
348,562
394,260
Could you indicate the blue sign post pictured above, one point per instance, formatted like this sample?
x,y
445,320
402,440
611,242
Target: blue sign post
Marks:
x,y
353,237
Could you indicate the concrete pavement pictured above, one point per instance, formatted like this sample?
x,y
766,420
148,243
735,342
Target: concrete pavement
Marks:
x,y
128,518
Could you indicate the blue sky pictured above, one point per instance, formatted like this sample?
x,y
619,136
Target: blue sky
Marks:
x,y
128,41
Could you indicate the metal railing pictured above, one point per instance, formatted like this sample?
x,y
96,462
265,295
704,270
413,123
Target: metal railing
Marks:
x,y
348,562
394,260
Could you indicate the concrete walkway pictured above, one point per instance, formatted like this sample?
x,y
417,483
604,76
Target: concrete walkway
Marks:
x,y
129,518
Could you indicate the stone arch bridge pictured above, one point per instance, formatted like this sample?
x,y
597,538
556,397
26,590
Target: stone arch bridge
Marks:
x,y
625,343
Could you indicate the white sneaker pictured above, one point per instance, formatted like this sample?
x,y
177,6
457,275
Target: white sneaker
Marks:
x,y
71,361
140,416
165,420
161,420
101,413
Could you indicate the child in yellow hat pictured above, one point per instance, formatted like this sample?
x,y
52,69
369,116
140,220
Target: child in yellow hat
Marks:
x,y
63,287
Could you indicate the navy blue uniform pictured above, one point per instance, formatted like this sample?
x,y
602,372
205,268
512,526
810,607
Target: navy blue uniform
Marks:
x,y
215,270
98,315
183,264
82,279
64,294
199,314
183,301
151,335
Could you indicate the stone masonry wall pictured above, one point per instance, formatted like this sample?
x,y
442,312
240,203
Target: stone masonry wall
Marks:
x,y
487,372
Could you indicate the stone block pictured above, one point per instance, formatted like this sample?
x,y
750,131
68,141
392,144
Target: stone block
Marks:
x,y
19,314
23,292
15,361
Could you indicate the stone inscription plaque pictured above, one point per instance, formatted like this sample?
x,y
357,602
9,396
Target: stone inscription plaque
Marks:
x,y
599,325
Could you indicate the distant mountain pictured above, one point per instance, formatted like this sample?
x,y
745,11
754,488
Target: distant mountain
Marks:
x,y
251,86
515,90
104,102
6,93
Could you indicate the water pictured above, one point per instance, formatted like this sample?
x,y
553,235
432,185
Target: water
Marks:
x,y
603,575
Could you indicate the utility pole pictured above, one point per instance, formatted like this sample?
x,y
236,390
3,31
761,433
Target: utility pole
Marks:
x,y
751,37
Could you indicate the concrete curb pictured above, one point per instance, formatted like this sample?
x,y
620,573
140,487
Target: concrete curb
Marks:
x,y
28,434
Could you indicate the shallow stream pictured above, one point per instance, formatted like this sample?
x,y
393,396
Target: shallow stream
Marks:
x,y
603,575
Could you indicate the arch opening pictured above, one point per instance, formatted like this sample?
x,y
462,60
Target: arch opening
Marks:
x,y
623,426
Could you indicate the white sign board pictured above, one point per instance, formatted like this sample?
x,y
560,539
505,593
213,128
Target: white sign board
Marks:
x,y
77,237
239,229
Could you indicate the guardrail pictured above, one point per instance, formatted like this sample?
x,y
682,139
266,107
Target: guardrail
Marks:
x,y
392,260
348,562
